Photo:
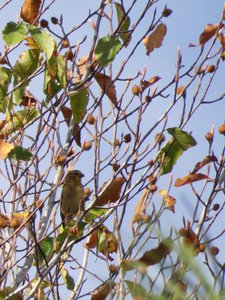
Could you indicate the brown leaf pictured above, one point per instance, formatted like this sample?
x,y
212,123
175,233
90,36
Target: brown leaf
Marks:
x,y
67,114
107,85
82,65
112,193
104,240
4,221
28,99
5,149
208,33
221,38
181,90
141,207
30,11
155,255
102,291
154,79
154,40
208,159
170,202
190,238
189,179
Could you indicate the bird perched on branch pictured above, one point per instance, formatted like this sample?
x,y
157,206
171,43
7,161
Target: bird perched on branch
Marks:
x,y
72,195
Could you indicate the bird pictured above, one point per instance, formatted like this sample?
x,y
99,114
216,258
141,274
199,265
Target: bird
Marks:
x,y
72,195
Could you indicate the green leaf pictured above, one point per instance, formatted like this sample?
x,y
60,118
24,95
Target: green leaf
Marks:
x,y
19,153
136,290
184,138
124,23
26,64
94,214
174,148
68,279
61,63
44,40
14,33
78,103
51,86
106,49
47,247
18,120
17,96
5,79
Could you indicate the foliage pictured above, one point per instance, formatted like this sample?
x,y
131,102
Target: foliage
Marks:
x,y
85,104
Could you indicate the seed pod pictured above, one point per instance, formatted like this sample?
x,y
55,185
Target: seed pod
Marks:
x,y
54,20
216,206
209,137
221,129
135,90
159,138
90,119
61,160
210,69
115,166
87,192
44,23
166,12
65,43
127,138
87,145
117,143
69,55
214,250
153,188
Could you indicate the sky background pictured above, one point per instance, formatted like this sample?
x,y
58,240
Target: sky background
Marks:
x,y
184,27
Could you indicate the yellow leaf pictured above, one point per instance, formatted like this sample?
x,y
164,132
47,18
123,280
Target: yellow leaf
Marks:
x,y
154,40
5,149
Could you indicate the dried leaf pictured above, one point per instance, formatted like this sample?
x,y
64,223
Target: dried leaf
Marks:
x,y
208,33
5,149
4,221
155,255
67,114
141,207
30,11
154,40
221,38
28,99
102,291
107,86
168,200
181,90
190,238
112,193
189,179
208,159
154,79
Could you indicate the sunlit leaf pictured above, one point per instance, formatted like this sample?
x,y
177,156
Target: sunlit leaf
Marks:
x,y
5,149
5,79
208,33
44,40
26,64
190,179
78,103
154,40
106,49
207,160
112,193
14,33
68,279
107,85
123,23
184,138
30,11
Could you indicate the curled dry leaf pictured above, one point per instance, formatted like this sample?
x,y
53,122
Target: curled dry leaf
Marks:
x,y
190,239
139,211
30,11
107,86
154,40
189,179
168,200
208,33
208,159
28,100
5,149
104,240
112,193
102,291
155,255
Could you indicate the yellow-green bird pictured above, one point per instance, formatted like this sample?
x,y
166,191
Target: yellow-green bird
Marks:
x,y
72,195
